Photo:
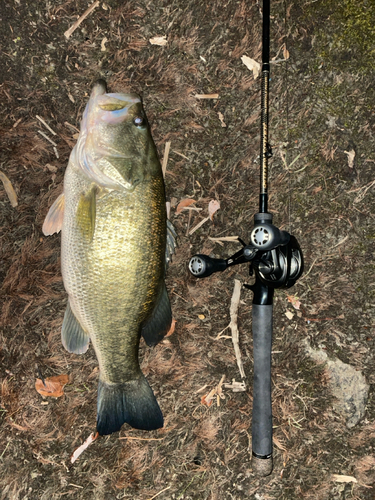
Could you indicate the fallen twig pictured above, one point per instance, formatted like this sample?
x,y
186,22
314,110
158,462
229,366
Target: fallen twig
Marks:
x,y
46,125
165,158
46,137
157,494
233,325
206,96
200,224
217,391
141,439
74,26
9,189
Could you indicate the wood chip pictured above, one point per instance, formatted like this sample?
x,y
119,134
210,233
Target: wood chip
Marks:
x,y
351,156
102,45
213,207
159,40
206,96
221,118
165,158
289,314
9,189
87,12
252,65
17,122
216,392
236,386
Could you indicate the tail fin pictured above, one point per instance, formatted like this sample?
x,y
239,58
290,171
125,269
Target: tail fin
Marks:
x,y
132,402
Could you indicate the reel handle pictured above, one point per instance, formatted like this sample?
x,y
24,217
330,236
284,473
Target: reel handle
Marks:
x,y
202,266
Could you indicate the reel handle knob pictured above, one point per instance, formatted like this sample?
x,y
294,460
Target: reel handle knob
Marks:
x,y
202,266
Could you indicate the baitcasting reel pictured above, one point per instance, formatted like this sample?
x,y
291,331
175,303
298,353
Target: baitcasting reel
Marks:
x,y
274,256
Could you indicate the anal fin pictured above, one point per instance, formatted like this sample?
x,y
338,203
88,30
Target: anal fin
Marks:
x,y
73,336
158,324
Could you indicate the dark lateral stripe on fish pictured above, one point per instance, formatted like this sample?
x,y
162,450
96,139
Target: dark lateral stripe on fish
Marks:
x,y
132,402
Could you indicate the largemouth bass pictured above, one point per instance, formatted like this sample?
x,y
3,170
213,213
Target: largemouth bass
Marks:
x,y
115,245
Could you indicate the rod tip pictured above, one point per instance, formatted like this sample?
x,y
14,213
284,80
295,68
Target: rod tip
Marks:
x,y
262,466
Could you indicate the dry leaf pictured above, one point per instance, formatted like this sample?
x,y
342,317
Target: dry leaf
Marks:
x,y
294,301
171,330
278,443
51,168
102,45
92,437
289,315
159,40
285,52
221,118
351,155
208,398
213,207
53,386
9,189
343,479
183,204
251,65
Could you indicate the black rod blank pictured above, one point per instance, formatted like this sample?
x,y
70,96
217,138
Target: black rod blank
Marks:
x,y
265,150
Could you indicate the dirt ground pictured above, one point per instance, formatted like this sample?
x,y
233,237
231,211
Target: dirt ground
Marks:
x,y
321,190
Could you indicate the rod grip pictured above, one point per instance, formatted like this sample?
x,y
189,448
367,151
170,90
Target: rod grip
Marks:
x,y
262,406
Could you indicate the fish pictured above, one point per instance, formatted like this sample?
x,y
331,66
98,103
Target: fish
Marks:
x,y
116,243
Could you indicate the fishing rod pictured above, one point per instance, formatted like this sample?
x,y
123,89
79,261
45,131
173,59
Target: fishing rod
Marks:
x,y
276,260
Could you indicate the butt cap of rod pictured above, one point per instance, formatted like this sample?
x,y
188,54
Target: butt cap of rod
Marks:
x,y
262,466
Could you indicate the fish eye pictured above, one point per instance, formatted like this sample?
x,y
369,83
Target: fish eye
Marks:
x,y
139,121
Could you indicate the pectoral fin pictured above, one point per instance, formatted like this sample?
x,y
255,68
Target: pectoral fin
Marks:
x,y
73,336
158,324
86,213
54,219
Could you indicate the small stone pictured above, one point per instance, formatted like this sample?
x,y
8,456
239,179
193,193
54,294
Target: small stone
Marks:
x,y
347,385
